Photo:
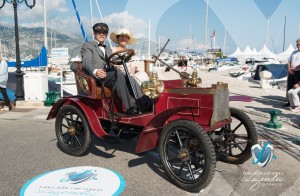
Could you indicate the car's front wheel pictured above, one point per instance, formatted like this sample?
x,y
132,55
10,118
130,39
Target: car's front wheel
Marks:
x,y
187,155
72,131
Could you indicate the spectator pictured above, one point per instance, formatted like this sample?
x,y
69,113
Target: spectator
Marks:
x,y
3,81
293,69
293,95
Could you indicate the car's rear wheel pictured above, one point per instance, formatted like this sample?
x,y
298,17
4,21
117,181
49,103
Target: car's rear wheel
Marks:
x,y
187,155
72,131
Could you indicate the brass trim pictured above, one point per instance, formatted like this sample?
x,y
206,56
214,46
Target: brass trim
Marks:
x,y
189,90
71,130
194,81
83,83
192,90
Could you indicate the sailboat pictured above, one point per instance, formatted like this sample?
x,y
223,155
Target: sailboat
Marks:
x,y
40,61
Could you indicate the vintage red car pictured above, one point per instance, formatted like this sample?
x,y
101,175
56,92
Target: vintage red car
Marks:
x,y
192,127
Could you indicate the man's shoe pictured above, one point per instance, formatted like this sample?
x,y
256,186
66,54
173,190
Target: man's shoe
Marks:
x,y
5,109
287,104
296,109
132,111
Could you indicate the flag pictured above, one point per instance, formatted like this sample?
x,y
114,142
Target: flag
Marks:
x,y
214,34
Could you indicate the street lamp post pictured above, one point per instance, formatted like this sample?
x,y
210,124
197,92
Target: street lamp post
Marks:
x,y
19,74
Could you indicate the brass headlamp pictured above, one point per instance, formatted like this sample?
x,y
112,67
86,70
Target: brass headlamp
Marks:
x,y
194,81
153,87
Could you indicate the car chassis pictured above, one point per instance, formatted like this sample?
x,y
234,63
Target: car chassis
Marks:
x,y
192,127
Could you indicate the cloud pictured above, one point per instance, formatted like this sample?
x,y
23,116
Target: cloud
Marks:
x,y
125,20
35,14
34,18
59,5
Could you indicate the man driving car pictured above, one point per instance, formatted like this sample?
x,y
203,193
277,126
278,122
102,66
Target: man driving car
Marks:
x,y
95,63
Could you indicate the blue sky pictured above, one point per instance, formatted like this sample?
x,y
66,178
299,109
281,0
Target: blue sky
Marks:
x,y
182,21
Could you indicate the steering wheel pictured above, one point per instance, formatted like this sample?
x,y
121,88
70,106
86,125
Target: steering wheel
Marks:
x,y
117,58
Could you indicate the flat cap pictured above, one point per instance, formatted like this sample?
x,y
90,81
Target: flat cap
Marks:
x,y
100,27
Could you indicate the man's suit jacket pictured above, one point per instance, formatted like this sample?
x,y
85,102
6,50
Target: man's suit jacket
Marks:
x,y
92,57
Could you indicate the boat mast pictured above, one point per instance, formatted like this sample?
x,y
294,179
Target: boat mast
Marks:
x,y
224,44
191,38
92,20
45,26
267,31
158,44
51,34
267,37
284,34
45,32
149,53
214,37
206,24
0,48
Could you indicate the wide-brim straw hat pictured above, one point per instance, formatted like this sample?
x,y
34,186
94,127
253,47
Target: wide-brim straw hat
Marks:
x,y
123,31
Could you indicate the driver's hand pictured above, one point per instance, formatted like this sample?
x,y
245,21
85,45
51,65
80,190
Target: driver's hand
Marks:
x,y
101,73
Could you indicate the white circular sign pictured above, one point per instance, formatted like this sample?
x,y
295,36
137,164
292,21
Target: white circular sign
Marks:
x,y
84,180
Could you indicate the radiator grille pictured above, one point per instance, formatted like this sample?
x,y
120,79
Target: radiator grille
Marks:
x,y
221,105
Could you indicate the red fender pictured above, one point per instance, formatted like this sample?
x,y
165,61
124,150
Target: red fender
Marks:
x,y
150,134
90,114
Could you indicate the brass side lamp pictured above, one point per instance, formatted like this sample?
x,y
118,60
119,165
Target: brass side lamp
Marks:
x,y
194,81
153,87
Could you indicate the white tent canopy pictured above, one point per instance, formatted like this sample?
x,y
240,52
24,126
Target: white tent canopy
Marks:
x,y
236,53
266,53
247,53
286,54
254,51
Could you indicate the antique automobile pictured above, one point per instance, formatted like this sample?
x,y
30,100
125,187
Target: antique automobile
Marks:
x,y
192,127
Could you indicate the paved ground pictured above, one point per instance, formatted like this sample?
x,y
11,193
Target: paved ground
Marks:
x,y
29,147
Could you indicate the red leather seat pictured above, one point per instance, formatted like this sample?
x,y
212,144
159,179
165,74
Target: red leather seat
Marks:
x,y
87,85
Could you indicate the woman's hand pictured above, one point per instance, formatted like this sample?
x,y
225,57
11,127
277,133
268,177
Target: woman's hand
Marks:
x,y
101,73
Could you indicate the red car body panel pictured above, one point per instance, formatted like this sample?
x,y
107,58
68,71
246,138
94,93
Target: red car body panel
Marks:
x,y
175,102
83,104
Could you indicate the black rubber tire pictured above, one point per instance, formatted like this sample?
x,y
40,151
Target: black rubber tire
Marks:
x,y
197,139
79,142
251,135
